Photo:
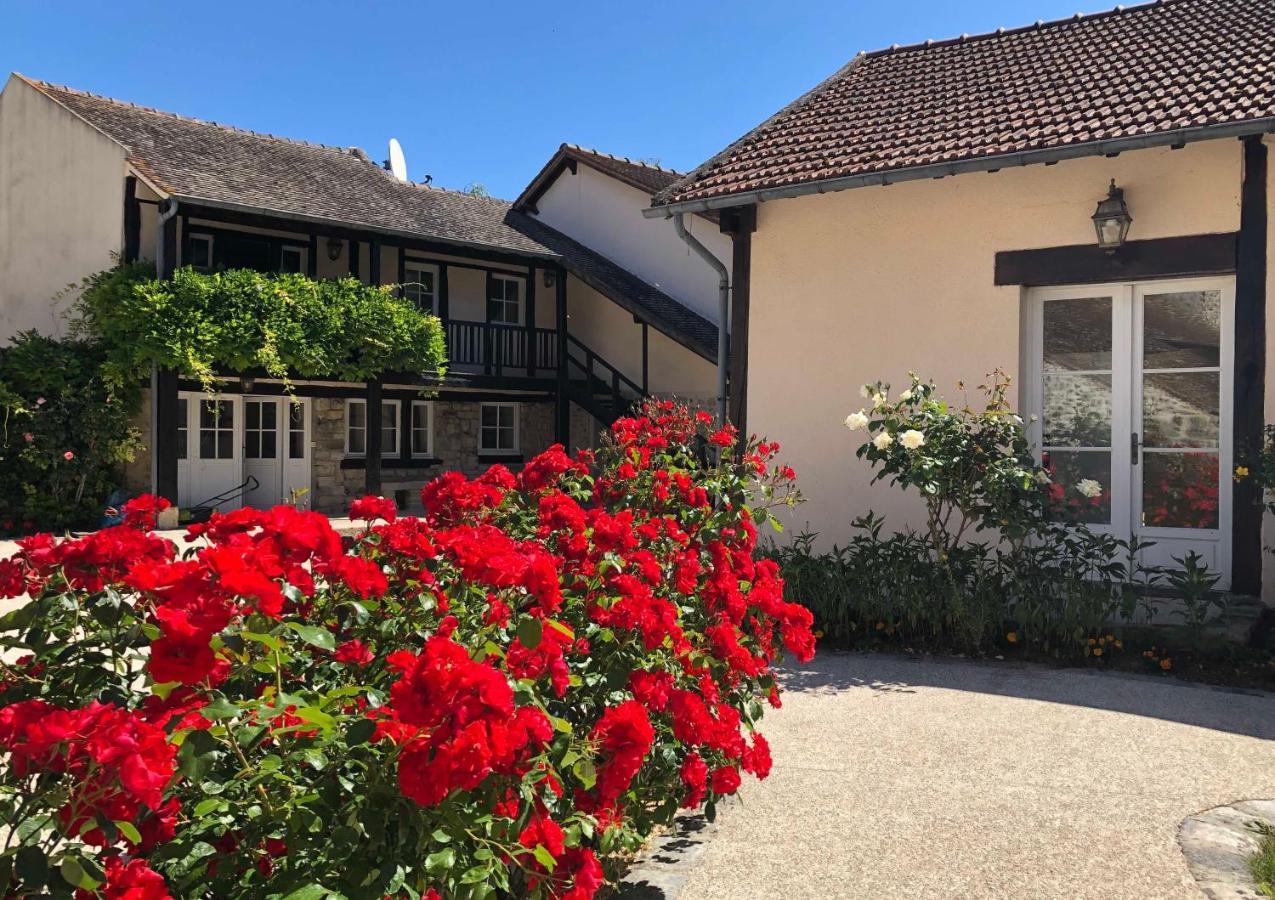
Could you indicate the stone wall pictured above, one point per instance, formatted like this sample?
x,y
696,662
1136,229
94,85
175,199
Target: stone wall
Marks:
x,y
455,448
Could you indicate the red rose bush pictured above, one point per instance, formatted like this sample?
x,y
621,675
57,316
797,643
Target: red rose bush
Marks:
x,y
492,699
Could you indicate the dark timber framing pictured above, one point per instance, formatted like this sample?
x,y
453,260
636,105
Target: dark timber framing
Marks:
x,y
562,418
739,223
1250,368
1175,257
132,221
372,466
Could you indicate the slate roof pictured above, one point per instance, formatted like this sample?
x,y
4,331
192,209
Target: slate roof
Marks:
x,y
1162,72
197,161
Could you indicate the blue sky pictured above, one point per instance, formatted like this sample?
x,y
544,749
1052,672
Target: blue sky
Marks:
x,y
481,91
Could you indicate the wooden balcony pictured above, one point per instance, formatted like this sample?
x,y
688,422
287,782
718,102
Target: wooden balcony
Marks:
x,y
503,350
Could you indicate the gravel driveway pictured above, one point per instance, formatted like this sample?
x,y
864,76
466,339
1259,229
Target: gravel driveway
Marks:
x,y
897,777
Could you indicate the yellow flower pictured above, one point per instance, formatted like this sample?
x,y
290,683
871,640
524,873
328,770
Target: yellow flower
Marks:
x,y
1241,472
880,626
1092,642
1012,637
818,634
1119,645
1166,664
1097,651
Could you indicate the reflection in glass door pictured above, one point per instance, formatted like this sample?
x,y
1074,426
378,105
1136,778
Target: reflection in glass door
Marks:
x,y
1131,384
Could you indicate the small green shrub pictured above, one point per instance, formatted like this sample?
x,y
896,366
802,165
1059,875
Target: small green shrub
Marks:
x,y
1263,863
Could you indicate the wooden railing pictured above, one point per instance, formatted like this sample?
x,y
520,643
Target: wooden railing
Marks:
x,y
501,349
602,386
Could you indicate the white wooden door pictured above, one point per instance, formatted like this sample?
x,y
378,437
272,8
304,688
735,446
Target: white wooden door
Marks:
x,y
212,444
296,452
262,454
1131,388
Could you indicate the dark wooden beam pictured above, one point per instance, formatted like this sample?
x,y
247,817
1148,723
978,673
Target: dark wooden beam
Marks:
x,y
562,418
402,266
164,439
372,472
444,300
529,321
132,221
1250,369
354,260
1175,257
312,257
740,224
646,359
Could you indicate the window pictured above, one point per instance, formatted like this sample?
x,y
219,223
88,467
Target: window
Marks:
x,y
296,430
260,429
293,259
422,429
183,427
419,282
356,428
200,250
498,428
504,300
217,429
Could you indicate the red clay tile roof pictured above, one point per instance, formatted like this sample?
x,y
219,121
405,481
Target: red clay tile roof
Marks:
x,y
1160,72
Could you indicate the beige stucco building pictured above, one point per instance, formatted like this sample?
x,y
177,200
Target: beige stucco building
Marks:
x,y
929,208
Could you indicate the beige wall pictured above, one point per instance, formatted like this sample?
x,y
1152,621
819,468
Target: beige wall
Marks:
x,y
62,209
611,332
864,284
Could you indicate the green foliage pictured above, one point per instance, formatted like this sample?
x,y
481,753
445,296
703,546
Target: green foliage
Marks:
x,y
55,401
288,325
1053,595
1262,864
974,470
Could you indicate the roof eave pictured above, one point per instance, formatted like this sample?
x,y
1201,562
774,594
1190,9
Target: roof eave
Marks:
x,y
286,215
1175,137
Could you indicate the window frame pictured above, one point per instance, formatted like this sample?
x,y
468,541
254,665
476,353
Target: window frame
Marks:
x,y
302,252
420,266
484,450
206,238
506,278
428,452
386,453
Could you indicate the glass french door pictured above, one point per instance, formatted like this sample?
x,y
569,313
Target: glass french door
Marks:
x,y
1131,386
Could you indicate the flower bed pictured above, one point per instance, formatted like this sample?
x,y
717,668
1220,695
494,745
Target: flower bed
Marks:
x,y
484,701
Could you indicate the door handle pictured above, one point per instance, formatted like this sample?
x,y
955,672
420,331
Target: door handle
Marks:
x,y
1134,445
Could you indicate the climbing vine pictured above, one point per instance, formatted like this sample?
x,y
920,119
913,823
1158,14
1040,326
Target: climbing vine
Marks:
x,y
288,325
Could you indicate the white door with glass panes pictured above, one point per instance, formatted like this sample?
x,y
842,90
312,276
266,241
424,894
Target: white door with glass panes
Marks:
x,y
209,459
277,450
1131,386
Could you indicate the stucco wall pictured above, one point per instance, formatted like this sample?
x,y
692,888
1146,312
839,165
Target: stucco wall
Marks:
x,y
606,215
62,215
611,332
869,283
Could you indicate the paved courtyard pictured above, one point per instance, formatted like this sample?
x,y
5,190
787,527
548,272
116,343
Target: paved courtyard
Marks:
x,y
905,778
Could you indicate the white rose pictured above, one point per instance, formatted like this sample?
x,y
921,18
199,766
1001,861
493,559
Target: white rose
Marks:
x,y
1090,488
882,440
856,420
905,396
864,391
879,400
912,439
1042,477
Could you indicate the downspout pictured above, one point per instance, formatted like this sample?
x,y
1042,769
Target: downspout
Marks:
x,y
723,308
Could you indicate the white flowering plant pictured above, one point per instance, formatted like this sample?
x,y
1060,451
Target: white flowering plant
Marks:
x,y
974,468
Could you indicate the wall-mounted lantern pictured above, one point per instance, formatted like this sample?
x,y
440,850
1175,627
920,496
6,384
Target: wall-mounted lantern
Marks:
x,y
550,277
334,249
247,383
1112,220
